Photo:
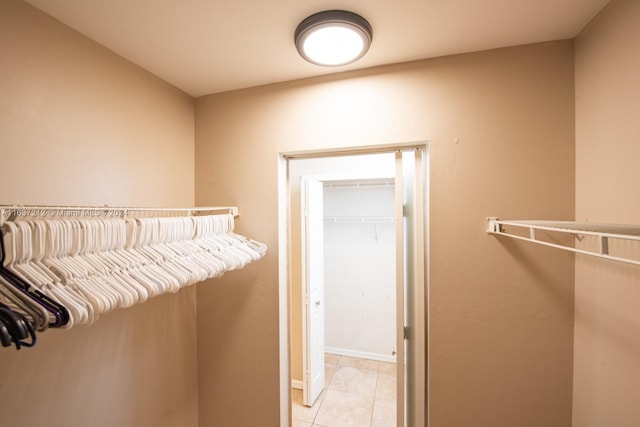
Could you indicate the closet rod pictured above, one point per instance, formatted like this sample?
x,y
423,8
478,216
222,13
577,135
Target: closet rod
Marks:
x,y
359,219
10,212
603,232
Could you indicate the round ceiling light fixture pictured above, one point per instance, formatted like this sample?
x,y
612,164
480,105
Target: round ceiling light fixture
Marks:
x,y
333,38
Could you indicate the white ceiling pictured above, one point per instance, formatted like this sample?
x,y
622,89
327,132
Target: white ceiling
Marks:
x,y
209,46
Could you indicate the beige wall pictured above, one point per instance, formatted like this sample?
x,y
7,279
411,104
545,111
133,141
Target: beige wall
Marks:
x,y
81,126
501,312
607,324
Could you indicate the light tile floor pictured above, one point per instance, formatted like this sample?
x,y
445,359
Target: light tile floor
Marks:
x,y
357,393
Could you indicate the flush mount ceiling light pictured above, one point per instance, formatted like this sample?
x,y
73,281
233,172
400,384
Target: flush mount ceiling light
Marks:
x,y
333,37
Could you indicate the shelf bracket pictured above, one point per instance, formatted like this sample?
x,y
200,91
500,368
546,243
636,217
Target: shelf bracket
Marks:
x,y
493,225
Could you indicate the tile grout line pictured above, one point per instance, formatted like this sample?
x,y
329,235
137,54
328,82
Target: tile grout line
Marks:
x,y
375,388
326,389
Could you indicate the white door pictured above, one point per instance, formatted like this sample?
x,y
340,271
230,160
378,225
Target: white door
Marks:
x,y
312,289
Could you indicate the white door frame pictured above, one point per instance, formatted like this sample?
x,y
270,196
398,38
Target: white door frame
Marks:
x,y
400,291
284,236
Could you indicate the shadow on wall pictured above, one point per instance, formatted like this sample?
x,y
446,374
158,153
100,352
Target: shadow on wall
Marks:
x,y
524,254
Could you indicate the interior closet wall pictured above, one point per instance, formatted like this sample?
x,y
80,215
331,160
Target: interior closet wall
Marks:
x,y
82,126
607,322
360,269
501,124
369,165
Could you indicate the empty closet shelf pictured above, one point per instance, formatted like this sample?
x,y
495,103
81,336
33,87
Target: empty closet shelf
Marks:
x,y
604,234
359,219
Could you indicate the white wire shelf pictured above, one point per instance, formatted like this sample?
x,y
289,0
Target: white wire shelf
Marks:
x,y
12,212
603,232
359,219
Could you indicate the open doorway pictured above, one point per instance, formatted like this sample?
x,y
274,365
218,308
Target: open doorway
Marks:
x,y
363,332
346,342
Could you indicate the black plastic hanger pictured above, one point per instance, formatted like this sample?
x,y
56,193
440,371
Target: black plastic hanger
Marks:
x,y
59,311
5,337
17,326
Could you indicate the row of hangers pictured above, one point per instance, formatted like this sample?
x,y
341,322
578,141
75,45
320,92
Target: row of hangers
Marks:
x,y
62,272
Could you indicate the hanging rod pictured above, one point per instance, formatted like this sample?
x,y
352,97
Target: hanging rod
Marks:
x,y
365,184
603,232
11,212
359,219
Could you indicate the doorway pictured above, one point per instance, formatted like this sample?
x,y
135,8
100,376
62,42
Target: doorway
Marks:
x,y
333,174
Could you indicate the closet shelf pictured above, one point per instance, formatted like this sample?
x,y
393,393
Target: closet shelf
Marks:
x,y
603,232
65,265
374,183
359,219
12,212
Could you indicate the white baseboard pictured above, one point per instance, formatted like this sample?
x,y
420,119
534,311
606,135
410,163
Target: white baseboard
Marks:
x,y
297,384
360,354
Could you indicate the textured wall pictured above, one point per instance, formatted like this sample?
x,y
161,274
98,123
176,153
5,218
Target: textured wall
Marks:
x,y
360,273
501,126
81,126
607,323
